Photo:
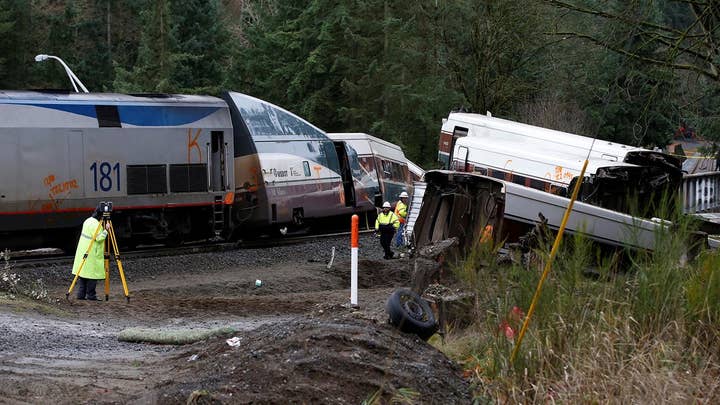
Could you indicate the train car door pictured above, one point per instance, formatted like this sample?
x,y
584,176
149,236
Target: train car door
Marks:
x,y
345,173
458,132
9,174
461,158
217,161
76,162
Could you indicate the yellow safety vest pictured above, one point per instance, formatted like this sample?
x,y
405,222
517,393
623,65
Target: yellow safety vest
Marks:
x,y
401,211
387,219
94,267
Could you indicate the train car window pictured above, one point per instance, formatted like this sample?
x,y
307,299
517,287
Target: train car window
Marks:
x,y
387,169
306,168
397,172
406,174
188,178
146,179
329,157
299,149
354,161
107,116
265,119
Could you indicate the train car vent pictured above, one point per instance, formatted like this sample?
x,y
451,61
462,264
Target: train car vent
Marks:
x,y
107,116
188,178
146,179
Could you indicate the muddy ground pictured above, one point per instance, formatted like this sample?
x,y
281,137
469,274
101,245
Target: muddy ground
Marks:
x,y
299,340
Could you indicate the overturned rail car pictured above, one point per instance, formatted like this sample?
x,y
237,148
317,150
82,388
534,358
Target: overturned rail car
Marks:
x,y
456,205
551,161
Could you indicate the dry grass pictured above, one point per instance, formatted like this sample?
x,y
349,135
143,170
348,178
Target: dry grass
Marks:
x,y
647,335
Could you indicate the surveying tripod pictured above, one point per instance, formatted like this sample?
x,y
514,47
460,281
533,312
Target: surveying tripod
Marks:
x,y
109,243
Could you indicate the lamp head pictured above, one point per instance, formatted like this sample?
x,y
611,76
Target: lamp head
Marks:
x,y
40,58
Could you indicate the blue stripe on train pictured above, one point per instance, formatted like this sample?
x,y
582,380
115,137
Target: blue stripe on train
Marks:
x,y
143,116
151,116
87,110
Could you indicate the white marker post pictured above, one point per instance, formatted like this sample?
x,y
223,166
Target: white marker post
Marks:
x,y
354,231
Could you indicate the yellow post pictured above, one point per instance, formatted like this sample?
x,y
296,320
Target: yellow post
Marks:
x,y
553,252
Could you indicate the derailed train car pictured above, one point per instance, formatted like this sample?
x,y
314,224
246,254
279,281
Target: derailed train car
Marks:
x,y
288,172
164,161
551,161
383,165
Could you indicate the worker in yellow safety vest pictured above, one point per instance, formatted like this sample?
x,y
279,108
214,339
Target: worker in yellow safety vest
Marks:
x,y
401,212
94,267
386,225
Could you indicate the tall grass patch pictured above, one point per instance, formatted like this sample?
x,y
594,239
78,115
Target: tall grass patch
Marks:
x,y
643,332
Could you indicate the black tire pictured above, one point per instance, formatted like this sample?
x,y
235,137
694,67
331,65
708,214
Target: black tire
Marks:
x,y
411,314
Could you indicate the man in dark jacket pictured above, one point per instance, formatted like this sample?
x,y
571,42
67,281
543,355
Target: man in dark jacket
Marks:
x,y
386,225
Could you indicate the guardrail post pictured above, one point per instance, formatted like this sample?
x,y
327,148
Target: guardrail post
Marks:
x,y
701,192
354,231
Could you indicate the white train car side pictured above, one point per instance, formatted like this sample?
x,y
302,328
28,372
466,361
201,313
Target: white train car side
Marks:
x,y
552,160
384,165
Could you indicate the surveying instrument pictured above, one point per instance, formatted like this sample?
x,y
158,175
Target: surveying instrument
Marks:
x,y
109,243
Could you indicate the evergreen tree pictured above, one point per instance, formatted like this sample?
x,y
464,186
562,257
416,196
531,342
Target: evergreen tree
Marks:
x,y
350,66
182,49
154,63
200,39
15,49
7,24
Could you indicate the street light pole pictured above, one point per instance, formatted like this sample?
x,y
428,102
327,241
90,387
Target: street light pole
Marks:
x,y
73,79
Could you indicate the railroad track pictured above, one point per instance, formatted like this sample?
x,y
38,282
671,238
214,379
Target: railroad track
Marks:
x,y
30,260
45,259
290,240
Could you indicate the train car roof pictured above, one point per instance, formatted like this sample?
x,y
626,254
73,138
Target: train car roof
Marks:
x,y
479,146
24,96
376,145
267,121
480,122
38,109
361,136
415,169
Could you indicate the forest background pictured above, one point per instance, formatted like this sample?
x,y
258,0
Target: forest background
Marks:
x,y
628,71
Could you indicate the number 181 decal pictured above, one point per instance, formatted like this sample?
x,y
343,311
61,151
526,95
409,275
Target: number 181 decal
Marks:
x,y
104,174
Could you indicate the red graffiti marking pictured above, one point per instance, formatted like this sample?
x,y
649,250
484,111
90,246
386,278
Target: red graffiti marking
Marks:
x,y
192,143
62,189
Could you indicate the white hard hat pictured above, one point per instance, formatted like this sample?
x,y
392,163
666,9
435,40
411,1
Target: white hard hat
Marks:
x,y
386,204
403,195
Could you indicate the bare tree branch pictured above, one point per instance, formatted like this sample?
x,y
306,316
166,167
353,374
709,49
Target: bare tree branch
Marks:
x,y
696,44
680,66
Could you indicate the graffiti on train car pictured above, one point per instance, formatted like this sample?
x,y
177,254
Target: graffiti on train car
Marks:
x,y
55,189
192,144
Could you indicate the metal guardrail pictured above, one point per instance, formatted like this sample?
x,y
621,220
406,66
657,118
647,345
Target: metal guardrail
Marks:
x,y
701,192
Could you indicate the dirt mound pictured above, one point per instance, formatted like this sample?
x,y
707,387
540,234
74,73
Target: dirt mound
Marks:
x,y
376,273
317,360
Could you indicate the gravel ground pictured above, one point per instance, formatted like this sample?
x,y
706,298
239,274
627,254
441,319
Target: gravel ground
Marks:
x,y
313,251
66,351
